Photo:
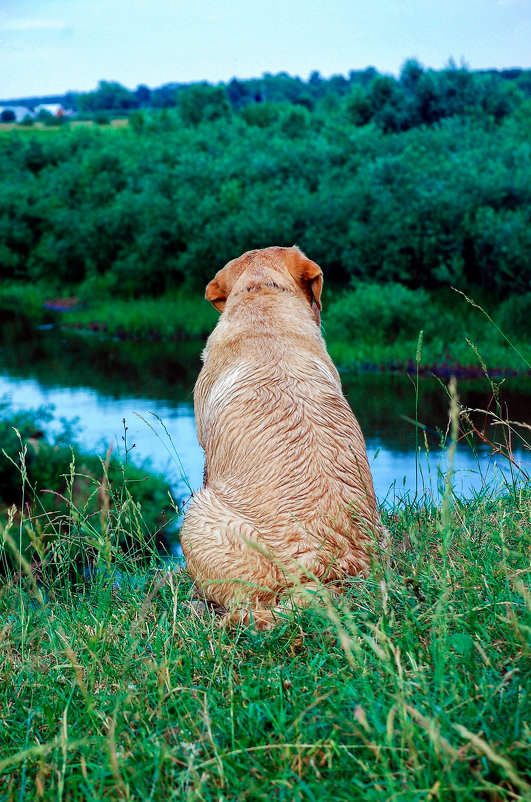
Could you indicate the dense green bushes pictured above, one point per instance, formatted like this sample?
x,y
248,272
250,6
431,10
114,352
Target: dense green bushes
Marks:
x,y
514,316
378,312
379,325
172,198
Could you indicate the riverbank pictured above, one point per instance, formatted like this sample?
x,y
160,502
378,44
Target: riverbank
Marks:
x,y
70,494
416,682
373,327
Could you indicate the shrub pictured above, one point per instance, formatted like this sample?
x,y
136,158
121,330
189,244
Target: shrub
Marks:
x,y
295,121
262,115
378,311
101,118
514,316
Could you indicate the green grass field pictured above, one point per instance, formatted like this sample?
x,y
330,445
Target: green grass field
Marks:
x,y
413,686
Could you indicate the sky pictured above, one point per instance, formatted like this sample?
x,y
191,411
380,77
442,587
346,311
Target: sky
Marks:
x,y
53,46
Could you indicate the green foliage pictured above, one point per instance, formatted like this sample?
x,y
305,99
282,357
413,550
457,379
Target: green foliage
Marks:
x,y
28,298
108,96
29,425
514,316
263,115
419,96
180,192
388,105
203,102
295,121
384,312
377,325
101,118
44,116
181,314
358,107
143,95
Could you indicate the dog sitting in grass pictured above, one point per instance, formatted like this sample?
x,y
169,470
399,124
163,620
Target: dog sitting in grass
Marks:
x,y
288,502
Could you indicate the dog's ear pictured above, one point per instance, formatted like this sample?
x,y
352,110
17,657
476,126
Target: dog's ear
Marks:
x,y
309,275
217,291
221,285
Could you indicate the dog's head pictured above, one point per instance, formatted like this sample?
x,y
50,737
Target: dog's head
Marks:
x,y
288,268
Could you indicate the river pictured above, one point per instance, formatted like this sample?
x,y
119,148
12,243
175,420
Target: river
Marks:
x,y
102,382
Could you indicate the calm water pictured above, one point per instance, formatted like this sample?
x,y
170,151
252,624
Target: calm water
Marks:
x,y
103,382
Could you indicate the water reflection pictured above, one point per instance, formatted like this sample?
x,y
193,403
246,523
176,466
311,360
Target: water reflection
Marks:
x,y
102,382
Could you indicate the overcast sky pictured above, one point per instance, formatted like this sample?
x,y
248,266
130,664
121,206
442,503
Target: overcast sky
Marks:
x,y
51,46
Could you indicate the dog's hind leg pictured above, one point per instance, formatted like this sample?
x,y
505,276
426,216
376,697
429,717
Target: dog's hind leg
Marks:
x,y
227,560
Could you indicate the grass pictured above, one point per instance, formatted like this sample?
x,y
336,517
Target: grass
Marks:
x,y
178,315
66,489
28,298
113,122
413,686
378,326
456,356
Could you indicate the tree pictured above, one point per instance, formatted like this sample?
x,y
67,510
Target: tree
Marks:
x,y
165,97
143,95
201,102
390,107
237,94
411,74
108,96
45,117
358,106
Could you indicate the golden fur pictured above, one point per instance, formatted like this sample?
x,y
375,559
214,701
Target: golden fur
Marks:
x,y
288,496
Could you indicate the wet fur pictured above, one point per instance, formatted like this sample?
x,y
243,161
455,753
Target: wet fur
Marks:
x,y
288,500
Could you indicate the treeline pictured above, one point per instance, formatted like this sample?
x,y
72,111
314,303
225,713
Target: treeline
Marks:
x,y
425,181
417,96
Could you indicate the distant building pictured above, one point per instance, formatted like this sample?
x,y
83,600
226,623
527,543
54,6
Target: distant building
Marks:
x,y
55,109
20,112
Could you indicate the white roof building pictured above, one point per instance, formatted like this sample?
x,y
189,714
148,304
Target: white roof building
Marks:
x,y
20,112
55,109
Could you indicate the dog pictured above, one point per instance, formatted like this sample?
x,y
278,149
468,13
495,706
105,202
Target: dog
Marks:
x,y
288,502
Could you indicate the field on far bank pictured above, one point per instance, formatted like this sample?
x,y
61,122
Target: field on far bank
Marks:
x,y
115,122
414,686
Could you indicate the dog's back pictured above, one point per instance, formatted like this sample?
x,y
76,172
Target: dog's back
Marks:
x,y
288,492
